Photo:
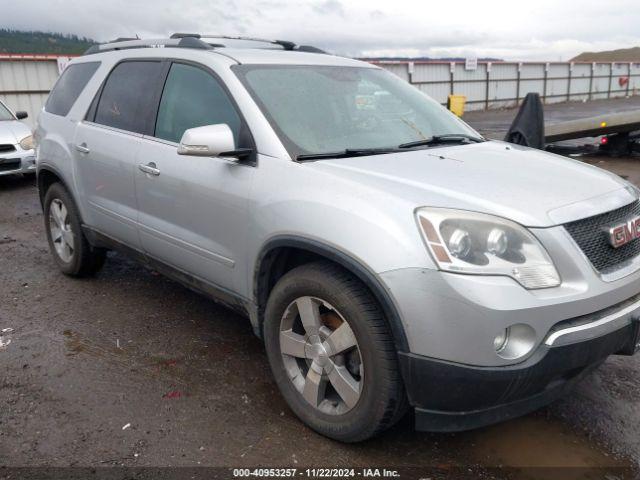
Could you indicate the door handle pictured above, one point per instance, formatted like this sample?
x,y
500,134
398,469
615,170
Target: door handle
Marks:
x,y
82,148
149,168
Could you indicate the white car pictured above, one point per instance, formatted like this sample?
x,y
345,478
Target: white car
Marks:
x,y
16,143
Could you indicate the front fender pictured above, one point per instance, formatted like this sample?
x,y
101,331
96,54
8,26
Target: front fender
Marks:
x,y
368,224
370,279
365,230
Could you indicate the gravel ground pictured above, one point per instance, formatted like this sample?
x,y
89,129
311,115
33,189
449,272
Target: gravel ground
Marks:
x,y
129,368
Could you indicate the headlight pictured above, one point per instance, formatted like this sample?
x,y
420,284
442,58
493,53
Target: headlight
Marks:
x,y
27,143
476,243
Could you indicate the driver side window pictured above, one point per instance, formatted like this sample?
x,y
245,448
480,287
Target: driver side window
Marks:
x,y
193,98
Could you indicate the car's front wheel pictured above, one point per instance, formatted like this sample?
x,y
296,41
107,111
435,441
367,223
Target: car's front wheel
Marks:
x,y
331,353
70,249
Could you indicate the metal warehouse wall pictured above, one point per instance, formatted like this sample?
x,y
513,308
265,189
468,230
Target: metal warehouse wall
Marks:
x,y
504,84
25,81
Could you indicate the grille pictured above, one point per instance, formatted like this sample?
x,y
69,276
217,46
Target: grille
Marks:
x,y
592,237
7,148
9,165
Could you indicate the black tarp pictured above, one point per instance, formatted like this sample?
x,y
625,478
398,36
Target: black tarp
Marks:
x,y
528,127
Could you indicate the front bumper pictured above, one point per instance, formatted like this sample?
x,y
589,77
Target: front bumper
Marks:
x,y
18,161
451,397
455,318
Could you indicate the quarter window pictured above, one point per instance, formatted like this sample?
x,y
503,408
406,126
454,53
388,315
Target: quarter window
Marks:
x,y
69,86
127,98
193,98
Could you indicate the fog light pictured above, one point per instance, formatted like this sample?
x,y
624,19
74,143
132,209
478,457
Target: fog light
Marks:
x,y
515,341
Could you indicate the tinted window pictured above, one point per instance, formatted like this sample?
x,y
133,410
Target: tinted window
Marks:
x,y
193,98
127,96
69,86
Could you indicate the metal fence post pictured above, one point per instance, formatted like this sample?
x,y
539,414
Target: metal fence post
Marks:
x,y
544,84
628,79
518,83
593,68
610,78
452,67
486,93
569,81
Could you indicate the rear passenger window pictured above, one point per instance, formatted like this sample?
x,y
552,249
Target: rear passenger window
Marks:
x,y
193,98
126,101
69,86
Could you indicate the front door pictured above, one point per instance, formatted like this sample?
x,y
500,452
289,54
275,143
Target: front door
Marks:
x,y
193,211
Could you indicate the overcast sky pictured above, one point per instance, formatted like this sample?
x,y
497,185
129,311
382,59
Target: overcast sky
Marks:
x,y
513,30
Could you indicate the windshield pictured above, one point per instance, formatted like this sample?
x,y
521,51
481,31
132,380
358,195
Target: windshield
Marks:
x,y
324,109
5,114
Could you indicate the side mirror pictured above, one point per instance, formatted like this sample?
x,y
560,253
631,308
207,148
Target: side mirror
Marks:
x,y
210,141
21,115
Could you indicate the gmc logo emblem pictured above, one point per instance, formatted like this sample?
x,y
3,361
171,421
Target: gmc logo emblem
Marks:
x,y
622,234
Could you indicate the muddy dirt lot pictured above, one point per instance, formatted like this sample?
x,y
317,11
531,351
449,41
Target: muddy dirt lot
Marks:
x,y
129,368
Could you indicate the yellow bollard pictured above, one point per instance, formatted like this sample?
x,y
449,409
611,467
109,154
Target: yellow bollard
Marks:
x,y
455,103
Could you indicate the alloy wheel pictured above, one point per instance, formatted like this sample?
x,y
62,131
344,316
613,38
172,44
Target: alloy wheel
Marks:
x,y
321,355
61,231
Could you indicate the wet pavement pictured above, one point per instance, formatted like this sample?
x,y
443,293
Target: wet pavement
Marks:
x,y
129,368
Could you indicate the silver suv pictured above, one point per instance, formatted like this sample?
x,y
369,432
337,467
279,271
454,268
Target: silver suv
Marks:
x,y
389,256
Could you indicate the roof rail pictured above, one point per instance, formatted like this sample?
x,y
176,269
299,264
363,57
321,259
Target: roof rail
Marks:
x,y
309,49
285,44
124,39
123,44
190,40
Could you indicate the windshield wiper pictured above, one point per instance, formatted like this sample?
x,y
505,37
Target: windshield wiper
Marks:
x,y
445,138
346,153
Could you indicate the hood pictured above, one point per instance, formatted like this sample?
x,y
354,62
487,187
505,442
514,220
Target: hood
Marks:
x,y
531,187
12,131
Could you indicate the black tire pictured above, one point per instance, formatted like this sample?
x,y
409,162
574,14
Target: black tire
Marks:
x,y
85,259
382,400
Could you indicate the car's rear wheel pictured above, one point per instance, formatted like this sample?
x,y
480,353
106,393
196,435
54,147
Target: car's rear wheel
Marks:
x,y
331,353
70,249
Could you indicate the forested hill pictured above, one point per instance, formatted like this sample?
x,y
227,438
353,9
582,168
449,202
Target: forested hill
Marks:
x,y
14,41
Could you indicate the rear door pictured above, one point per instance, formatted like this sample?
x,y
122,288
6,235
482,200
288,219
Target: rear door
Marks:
x,y
194,210
107,143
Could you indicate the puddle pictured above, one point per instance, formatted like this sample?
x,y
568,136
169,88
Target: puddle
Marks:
x,y
536,444
75,345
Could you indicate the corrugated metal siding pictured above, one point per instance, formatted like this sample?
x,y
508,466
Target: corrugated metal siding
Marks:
x,y
25,82
507,83
634,81
399,69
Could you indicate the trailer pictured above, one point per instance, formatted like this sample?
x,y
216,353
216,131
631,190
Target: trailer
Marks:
x,y
618,132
